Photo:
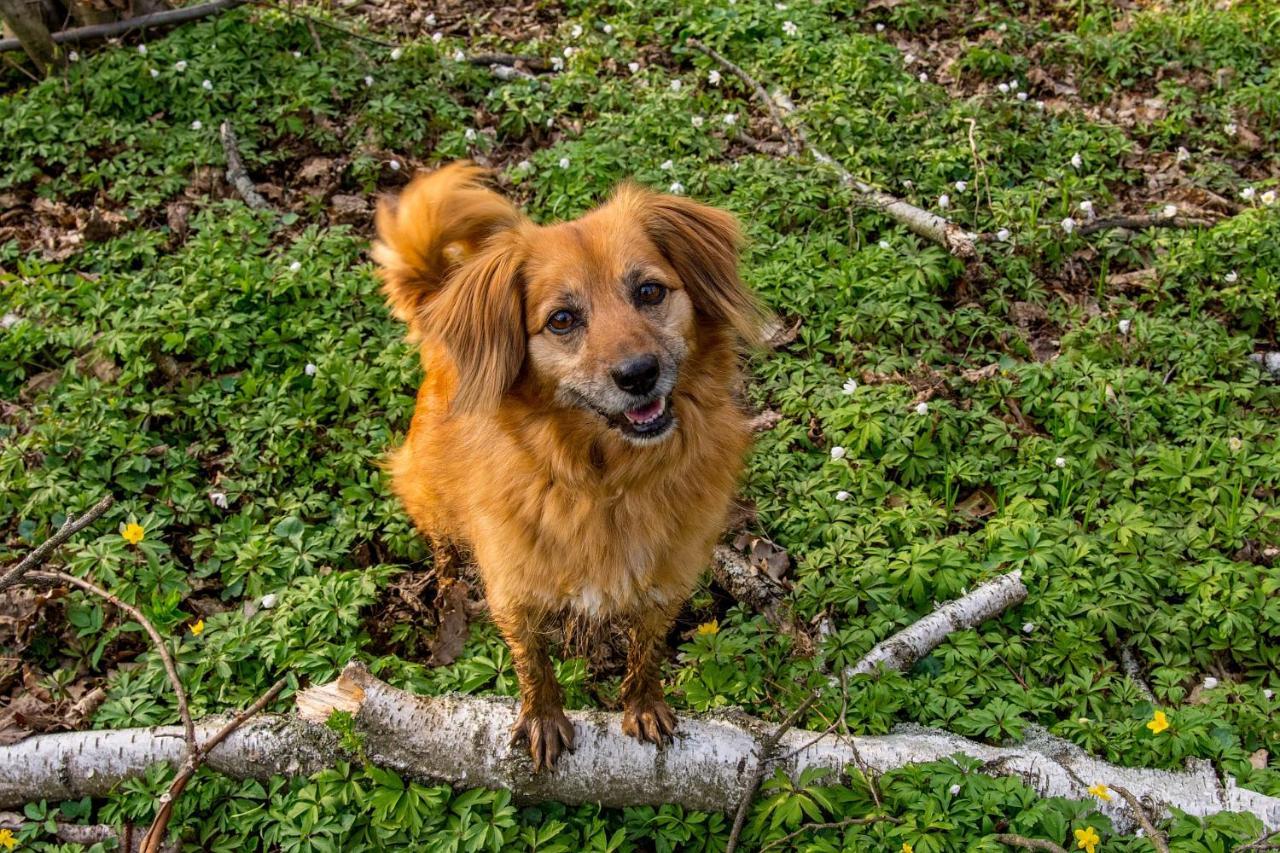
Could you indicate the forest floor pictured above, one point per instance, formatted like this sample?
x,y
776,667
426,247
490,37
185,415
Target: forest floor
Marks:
x,y
1090,406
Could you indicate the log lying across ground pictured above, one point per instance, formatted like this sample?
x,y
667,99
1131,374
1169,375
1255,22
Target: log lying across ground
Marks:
x,y
464,741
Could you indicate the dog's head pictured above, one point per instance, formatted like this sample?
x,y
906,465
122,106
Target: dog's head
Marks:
x,y
597,314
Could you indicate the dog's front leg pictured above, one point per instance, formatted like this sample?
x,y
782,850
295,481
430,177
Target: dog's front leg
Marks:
x,y
645,715
542,723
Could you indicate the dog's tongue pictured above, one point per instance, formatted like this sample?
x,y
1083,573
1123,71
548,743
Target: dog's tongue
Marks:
x,y
644,414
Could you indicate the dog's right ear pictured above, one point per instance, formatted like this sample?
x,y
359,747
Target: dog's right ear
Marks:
x,y
479,317
439,221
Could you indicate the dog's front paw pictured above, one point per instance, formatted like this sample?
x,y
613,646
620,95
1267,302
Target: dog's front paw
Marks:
x,y
648,719
548,734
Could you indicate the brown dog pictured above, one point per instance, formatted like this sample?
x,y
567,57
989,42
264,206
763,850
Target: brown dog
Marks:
x,y
577,430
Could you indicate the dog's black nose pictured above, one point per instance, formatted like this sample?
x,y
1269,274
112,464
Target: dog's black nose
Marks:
x,y
637,375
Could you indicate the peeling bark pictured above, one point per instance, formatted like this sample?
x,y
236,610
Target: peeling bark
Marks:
x,y
465,741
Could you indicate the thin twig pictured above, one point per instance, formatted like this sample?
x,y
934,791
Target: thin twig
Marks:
x,y
939,229
793,146
1144,820
140,22
42,552
839,824
533,63
237,176
1028,843
155,835
1136,223
184,712
1266,842
328,25
763,755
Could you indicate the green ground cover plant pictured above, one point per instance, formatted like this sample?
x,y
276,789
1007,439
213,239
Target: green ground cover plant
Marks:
x,y
1080,406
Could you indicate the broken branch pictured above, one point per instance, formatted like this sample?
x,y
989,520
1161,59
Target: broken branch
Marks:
x,y
465,741
1144,820
918,639
155,834
237,176
45,549
940,230
141,22
50,578
1136,223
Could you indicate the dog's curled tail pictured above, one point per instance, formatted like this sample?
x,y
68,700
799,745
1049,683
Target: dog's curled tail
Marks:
x,y
440,220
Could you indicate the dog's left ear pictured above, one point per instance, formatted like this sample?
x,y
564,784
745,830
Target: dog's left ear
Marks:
x,y
702,243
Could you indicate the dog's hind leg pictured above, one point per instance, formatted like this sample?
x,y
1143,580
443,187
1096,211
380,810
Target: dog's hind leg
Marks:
x,y
542,722
645,714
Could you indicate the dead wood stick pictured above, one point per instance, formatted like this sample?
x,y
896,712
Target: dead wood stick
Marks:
x,y
1136,223
763,754
758,591
918,639
155,835
1130,667
141,22
1025,843
939,229
706,767
839,824
1144,820
188,727
127,837
42,552
533,63
237,176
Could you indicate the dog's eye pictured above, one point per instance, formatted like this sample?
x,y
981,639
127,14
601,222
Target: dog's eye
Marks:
x,y
650,293
562,321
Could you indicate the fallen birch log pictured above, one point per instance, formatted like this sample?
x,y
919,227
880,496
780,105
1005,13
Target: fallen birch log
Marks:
x,y
465,741
918,639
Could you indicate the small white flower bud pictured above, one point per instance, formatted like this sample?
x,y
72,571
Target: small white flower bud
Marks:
x,y
837,453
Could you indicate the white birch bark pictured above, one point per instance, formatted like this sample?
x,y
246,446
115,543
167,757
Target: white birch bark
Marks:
x,y
464,741
918,639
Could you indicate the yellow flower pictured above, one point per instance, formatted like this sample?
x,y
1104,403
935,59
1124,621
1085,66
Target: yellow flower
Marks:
x,y
1087,839
712,627
907,848
198,628
1100,791
1159,722
133,533
7,841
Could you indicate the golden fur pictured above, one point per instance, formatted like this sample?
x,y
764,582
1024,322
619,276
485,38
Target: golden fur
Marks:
x,y
511,453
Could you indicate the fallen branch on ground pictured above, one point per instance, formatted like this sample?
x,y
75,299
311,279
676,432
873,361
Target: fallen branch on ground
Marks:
x,y
1010,840
915,641
946,233
1155,836
1130,667
126,838
45,549
141,22
464,741
758,591
184,713
1137,223
155,834
764,755
237,176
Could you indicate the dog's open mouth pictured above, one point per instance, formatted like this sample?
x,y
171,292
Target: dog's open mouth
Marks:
x,y
651,420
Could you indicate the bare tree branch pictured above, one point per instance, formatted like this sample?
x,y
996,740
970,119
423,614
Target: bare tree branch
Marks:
x,y
45,549
1144,820
237,175
141,22
940,230
915,641
162,648
155,834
